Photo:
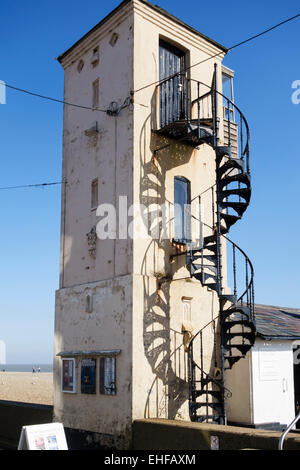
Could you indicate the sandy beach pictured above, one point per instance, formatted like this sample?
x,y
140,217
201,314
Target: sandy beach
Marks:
x,y
27,387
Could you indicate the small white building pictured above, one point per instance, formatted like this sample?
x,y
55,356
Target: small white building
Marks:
x,y
269,375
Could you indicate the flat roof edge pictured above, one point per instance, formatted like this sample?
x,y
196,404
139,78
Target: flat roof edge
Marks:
x,y
156,8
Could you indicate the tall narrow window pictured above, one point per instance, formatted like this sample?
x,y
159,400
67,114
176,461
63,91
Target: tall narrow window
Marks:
x,y
95,57
228,99
187,309
182,210
108,375
94,194
96,93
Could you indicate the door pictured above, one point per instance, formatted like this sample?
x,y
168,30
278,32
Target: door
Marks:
x,y
273,382
172,91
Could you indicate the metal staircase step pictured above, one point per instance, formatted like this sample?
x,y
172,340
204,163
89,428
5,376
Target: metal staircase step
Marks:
x,y
243,310
205,404
230,164
239,207
228,297
204,277
212,248
240,178
205,257
243,348
232,360
245,323
213,393
211,267
223,150
243,192
230,219
202,418
244,334
210,239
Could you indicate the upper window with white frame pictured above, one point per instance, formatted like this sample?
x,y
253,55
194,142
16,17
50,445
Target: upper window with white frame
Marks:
x,y
228,93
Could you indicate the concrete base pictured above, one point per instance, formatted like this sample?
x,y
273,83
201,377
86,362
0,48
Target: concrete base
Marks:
x,y
159,434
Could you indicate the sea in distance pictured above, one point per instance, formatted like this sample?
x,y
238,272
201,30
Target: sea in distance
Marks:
x,y
26,367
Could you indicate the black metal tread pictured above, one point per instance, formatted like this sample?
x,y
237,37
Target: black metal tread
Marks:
x,y
239,177
228,298
243,192
249,335
245,323
202,418
213,393
213,405
221,151
239,207
229,165
211,267
230,219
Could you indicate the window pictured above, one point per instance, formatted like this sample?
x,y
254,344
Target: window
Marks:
x,y
182,210
96,93
113,40
108,375
94,194
95,57
227,84
68,376
80,66
187,309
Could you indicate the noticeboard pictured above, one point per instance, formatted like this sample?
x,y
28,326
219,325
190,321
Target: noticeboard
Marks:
x,y
88,375
43,437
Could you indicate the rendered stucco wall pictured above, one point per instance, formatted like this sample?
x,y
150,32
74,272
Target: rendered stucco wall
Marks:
x,y
160,374
107,327
106,156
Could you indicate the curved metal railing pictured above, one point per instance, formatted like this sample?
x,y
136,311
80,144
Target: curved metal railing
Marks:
x,y
211,386
287,430
180,99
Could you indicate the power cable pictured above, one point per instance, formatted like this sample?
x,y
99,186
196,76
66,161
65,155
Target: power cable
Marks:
x,y
52,99
32,185
113,112
220,53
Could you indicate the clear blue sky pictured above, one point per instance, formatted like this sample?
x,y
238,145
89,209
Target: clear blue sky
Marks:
x,y
32,34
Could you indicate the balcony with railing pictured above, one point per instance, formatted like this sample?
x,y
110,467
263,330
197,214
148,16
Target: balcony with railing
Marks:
x,y
189,112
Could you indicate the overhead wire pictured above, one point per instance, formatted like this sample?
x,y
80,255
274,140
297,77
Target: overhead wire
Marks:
x,y
53,99
251,38
33,185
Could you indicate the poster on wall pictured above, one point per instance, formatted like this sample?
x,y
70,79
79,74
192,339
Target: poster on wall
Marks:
x,y
43,437
88,376
68,382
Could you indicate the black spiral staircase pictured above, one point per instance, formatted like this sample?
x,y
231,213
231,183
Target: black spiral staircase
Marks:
x,y
233,330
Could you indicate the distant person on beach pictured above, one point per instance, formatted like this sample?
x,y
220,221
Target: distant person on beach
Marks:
x,y
33,370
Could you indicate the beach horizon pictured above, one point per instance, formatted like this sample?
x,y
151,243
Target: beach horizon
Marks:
x,y
27,387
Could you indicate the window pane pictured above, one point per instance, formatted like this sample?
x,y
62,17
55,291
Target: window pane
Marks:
x,y
227,90
94,194
96,93
181,209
